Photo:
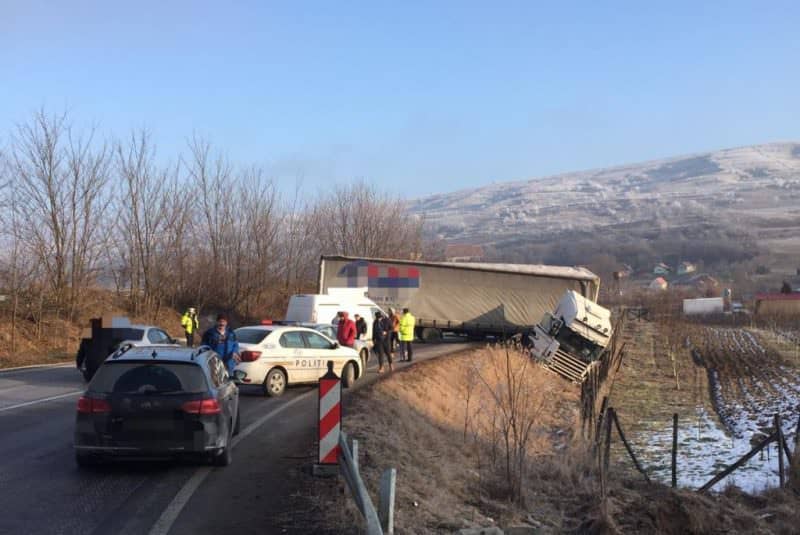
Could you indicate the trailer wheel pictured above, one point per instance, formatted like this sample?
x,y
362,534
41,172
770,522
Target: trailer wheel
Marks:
x,y
431,335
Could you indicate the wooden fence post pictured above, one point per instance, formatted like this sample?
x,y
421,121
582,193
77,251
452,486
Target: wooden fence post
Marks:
x,y
717,478
797,436
606,454
675,450
779,433
628,447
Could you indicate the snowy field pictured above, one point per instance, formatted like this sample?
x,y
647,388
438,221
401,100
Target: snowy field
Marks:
x,y
748,385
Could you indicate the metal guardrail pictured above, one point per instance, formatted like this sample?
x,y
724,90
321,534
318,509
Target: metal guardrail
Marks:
x,y
380,521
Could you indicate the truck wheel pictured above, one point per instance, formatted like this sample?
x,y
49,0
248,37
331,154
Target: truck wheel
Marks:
x,y
476,337
431,335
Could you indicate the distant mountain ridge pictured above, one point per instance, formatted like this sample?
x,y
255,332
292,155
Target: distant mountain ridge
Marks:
x,y
751,191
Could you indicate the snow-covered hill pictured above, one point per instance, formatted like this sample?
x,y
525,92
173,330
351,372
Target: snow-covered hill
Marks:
x,y
752,189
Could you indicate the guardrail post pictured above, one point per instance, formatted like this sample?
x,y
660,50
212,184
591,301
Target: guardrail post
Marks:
x,y
386,500
330,423
354,450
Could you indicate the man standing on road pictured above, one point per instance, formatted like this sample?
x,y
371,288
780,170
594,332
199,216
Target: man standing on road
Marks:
x,y
381,334
361,327
394,340
222,340
407,322
190,324
346,331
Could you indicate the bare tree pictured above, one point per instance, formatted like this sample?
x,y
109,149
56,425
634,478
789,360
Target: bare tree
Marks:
x,y
359,220
61,180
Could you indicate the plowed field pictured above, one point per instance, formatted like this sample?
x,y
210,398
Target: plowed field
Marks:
x,y
730,382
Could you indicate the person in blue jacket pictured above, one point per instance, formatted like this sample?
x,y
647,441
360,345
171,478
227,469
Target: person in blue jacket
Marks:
x,y
222,340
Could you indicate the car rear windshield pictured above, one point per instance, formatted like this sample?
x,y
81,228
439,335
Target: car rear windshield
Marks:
x,y
149,378
251,336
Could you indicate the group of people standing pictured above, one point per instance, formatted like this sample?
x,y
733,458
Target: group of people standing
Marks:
x,y
389,333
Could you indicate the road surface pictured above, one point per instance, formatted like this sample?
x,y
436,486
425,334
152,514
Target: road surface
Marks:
x,y
42,490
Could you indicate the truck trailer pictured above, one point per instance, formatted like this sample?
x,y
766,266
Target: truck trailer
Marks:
x,y
705,305
465,298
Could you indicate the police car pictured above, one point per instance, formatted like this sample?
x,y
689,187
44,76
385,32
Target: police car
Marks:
x,y
275,356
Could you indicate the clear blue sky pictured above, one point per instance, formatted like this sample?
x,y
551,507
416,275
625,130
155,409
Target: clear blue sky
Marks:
x,y
420,97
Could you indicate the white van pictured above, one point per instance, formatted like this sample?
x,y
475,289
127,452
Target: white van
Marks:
x,y
322,308
313,310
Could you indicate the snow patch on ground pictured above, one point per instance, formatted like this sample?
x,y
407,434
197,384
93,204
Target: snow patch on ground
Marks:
x,y
705,449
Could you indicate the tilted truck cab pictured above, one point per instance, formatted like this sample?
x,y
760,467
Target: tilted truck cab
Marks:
x,y
571,337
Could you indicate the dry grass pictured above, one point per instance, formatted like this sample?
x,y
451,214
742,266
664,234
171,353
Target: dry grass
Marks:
x,y
57,340
414,420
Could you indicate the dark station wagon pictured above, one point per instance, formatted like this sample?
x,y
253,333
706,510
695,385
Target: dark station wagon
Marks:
x,y
158,402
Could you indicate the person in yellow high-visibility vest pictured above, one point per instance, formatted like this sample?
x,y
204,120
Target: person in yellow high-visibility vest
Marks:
x,y
190,324
407,322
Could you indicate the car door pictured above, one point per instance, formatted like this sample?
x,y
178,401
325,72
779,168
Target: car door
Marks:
x,y
293,350
322,350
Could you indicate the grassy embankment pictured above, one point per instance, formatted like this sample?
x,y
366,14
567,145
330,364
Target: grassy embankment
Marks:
x,y
440,423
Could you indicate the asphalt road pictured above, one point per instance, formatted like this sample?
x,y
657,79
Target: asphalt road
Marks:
x,y
42,490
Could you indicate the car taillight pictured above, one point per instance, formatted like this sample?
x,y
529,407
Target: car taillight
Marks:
x,y
202,406
250,356
87,405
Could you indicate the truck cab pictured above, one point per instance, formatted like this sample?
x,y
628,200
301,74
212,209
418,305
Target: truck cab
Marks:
x,y
577,327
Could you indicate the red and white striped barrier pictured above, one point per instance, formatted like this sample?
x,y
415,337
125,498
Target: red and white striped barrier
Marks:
x,y
330,416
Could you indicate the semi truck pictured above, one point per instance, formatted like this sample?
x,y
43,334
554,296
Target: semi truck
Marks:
x,y
463,298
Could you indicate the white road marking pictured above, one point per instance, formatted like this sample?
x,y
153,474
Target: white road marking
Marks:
x,y
170,514
35,368
43,400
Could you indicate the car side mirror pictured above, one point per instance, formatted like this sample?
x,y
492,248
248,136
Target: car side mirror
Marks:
x,y
335,345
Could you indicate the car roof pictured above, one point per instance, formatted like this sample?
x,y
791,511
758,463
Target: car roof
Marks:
x,y
278,328
158,354
139,326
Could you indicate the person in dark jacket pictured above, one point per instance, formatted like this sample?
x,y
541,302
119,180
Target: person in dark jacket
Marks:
x,y
381,338
361,327
346,330
222,340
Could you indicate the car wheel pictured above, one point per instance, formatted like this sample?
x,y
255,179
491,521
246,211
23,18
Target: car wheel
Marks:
x,y
225,457
275,383
238,425
348,375
364,358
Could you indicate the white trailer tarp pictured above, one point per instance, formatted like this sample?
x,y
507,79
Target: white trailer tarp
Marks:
x,y
485,296
706,305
